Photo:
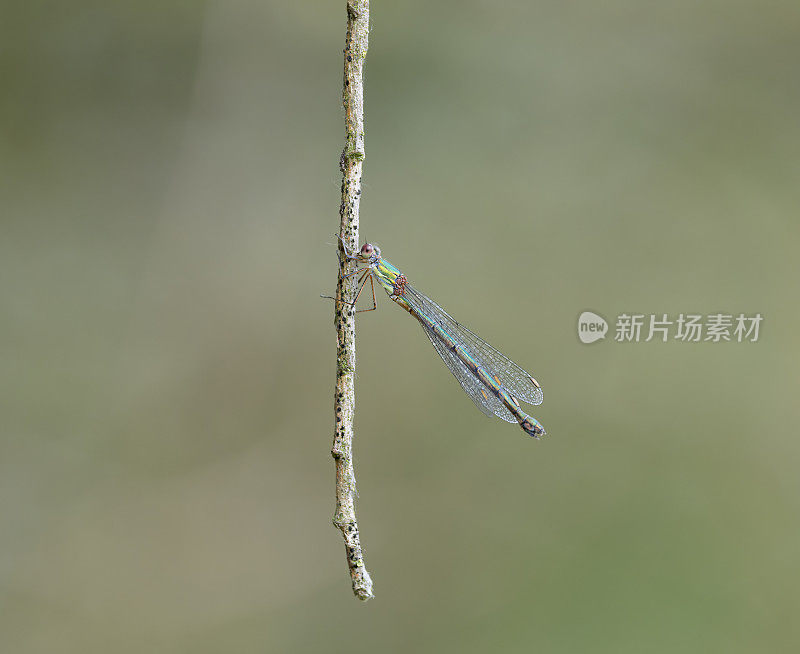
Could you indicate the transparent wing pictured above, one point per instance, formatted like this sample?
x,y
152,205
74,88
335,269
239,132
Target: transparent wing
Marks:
x,y
484,400
517,381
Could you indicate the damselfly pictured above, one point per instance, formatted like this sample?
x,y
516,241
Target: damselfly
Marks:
x,y
493,382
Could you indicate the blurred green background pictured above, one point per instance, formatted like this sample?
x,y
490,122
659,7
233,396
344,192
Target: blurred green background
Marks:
x,y
170,191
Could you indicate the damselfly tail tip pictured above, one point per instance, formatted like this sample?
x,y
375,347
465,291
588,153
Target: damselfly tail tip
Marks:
x,y
532,428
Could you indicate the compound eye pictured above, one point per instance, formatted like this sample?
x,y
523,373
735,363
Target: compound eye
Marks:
x,y
367,249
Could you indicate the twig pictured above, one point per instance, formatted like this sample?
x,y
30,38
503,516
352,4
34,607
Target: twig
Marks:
x,y
355,51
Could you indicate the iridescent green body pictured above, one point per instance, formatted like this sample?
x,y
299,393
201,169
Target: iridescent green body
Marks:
x,y
492,380
386,275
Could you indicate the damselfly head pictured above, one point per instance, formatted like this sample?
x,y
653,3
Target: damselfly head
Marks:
x,y
370,252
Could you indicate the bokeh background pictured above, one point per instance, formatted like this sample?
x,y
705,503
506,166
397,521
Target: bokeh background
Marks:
x,y
170,188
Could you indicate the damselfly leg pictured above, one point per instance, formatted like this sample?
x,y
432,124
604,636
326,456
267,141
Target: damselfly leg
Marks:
x,y
363,283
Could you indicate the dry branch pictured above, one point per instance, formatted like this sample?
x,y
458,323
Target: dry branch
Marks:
x,y
351,161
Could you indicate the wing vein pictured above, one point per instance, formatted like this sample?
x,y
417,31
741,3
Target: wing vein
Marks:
x,y
516,381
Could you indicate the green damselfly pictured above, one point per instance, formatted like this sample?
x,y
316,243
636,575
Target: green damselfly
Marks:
x,y
493,382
